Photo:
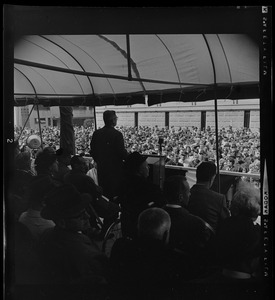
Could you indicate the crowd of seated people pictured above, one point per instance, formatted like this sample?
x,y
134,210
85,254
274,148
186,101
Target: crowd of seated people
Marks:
x,y
239,148
152,259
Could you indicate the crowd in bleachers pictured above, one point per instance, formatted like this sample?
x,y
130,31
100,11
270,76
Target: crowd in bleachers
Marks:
x,y
239,149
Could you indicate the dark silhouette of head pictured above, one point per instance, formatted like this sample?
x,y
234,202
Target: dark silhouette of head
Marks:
x,y
154,224
110,118
206,172
176,190
79,163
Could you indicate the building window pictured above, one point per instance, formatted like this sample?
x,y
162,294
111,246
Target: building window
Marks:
x,y
136,119
246,118
42,120
49,122
203,120
167,118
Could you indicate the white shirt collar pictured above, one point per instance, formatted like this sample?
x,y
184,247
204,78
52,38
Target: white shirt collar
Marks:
x,y
174,205
235,274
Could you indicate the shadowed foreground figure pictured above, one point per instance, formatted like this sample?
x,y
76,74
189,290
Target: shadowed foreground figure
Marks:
x,y
238,247
146,266
137,193
70,257
239,238
85,184
189,233
31,218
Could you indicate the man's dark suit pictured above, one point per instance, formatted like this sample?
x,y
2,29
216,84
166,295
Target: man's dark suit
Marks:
x,y
85,184
108,151
207,204
135,195
188,232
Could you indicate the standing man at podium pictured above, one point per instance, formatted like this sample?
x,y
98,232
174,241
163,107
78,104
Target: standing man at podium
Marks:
x,y
108,150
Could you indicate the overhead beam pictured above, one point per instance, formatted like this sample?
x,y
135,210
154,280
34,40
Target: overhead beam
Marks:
x,y
84,73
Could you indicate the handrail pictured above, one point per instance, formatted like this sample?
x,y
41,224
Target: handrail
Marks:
x,y
224,172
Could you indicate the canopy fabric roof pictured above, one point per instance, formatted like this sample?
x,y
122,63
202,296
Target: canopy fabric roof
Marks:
x,y
98,69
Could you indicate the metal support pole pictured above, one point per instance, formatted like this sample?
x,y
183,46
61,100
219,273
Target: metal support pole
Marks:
x,y
216,112
95,118
217,141
39,124
128,57
25,123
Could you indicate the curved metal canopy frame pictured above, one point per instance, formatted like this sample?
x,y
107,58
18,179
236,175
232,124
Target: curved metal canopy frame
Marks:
x,y
161,88
200,91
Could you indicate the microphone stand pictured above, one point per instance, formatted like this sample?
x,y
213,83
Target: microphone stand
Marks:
x,y
160,154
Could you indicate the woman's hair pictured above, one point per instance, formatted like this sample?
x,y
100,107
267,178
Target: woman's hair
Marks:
x,y
246,200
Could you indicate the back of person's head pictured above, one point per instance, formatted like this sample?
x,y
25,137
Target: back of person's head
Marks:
x,y
63,155
136,163
46,161
154,224
246,201
78,162
37,190
109,117
176,190
23,161
64,201
206,170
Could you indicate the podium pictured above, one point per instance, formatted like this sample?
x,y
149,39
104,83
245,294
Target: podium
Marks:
x,y
156,169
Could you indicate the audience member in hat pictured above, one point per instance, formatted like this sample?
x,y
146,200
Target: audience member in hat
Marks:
x,y
31,218
146,264
63,157
85,184
205,203
137,193
69,255
78,177
46,162
108,151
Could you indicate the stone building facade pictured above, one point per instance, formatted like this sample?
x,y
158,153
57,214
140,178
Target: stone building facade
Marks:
x,y
235,113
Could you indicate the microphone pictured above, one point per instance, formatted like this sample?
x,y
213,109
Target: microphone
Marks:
x,y
161,140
